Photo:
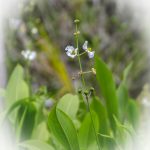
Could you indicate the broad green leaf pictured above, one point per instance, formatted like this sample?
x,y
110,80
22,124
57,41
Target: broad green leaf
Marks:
x,y
93,147
26,111
133,113
40,116
69,104
15,105
122,94
56,129
100,110
5,114
17,88
108,89
110,141
122,126
63,129
69,129
40,132
76,123
86,132
124,132
36,145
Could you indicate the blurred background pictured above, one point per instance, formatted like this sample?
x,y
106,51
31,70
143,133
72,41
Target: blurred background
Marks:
x,y
47,27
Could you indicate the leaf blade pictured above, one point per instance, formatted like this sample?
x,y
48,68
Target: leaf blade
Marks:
x,y
69,104
17,88
69,129
108,89
36,144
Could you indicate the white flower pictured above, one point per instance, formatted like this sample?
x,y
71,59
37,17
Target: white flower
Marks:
x,y
34,30
28,54
88,50
91,54
71,51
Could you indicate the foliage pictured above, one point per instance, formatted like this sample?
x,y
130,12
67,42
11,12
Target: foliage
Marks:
x,y
113,117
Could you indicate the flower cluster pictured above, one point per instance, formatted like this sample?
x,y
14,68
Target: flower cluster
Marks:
x,y
29,55
73,52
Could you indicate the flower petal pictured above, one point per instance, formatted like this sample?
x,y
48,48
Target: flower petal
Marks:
x,y
85,45
32,55
28,54
91,54
72,55
69,48
76,51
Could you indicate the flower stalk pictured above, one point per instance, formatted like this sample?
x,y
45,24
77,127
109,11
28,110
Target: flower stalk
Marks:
x,y
72,53
78,53
82,76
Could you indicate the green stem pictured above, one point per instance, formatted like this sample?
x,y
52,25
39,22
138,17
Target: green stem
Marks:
x,y
96,136
28,76
83,84
81,70
82,53
86,72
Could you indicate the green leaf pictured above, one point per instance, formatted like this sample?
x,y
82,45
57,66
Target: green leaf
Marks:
x,y
7,112
63,129
17,88
36,145
40,132
69,129
108,89
110,141
56,128
123,127
69,104
133,113
15,105
126,72
122,94
26,111
86,132
100,110
124,131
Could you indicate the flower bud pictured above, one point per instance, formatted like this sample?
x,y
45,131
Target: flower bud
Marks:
x,y
93,71
92,89
80,73
86,92
76,33
76,21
